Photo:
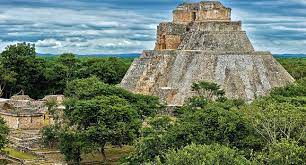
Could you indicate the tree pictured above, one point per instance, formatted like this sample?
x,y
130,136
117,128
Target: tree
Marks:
x,y
220,123
205,154
106,114
21,60
295,66
109,70
89,88
70,63
60,71
54,111
25,73
4,131
105,119
275,121
208,90
7,77
283,152
197,102
50,136
294,93
152,142
71,145
217,122
50,133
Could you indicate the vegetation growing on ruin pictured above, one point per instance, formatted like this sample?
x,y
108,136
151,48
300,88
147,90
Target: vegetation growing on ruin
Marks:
x,y
4,131
20,155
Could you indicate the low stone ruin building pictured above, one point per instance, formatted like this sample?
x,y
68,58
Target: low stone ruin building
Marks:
x,y
26,117
203,44
22,112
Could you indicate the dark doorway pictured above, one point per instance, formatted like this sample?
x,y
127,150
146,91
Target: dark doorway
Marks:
x,y
194,16
164,38
163,45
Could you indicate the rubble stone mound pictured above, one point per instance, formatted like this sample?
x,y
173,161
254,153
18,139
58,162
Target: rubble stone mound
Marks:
x,y
203,44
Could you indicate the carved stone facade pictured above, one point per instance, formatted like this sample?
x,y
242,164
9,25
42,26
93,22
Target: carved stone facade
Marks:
x,y
187,17
201,12
211,48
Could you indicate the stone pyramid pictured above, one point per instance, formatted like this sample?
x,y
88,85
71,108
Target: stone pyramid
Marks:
x,y
203,44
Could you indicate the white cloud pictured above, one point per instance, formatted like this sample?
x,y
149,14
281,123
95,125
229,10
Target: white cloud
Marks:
x,y
59,30
49,43
105,28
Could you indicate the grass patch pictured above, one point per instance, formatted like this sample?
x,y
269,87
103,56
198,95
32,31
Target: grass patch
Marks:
x,y
4,161
20,155
113,154
46,150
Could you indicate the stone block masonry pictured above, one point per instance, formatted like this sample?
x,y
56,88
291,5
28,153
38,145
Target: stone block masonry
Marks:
x,y
203,44
22,112
202,11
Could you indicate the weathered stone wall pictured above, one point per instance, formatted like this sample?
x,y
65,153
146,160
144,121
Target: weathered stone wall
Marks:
x,y
213,15
169,36
172,41
168,42
182,17
217,41
11,121
216,26
170,74
31,122
24,121
201,12
219,36
26,104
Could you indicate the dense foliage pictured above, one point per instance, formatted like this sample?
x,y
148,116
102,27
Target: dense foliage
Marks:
x,y
205,154
4,131
98,114
282,152
295,66
208,90
23,72
220,123
50,136
86,89
271,130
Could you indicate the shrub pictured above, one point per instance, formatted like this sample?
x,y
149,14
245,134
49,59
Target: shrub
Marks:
x,y
205,154
283,152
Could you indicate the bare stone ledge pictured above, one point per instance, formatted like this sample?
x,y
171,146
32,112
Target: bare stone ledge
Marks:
x,y
150,53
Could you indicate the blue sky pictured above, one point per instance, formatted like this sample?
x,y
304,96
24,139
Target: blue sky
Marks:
x,y
129,26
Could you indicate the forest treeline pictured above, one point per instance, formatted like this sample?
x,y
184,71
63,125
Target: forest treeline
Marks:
x,y
208,129
23,72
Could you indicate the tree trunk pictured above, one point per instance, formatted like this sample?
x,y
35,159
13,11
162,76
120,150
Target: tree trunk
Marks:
x,y
1,89
103,154
1,92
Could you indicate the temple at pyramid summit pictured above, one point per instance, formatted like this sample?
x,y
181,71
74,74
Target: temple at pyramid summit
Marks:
x,y
202,43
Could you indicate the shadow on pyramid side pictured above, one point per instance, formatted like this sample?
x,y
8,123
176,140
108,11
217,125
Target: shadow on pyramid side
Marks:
x,y
203,44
